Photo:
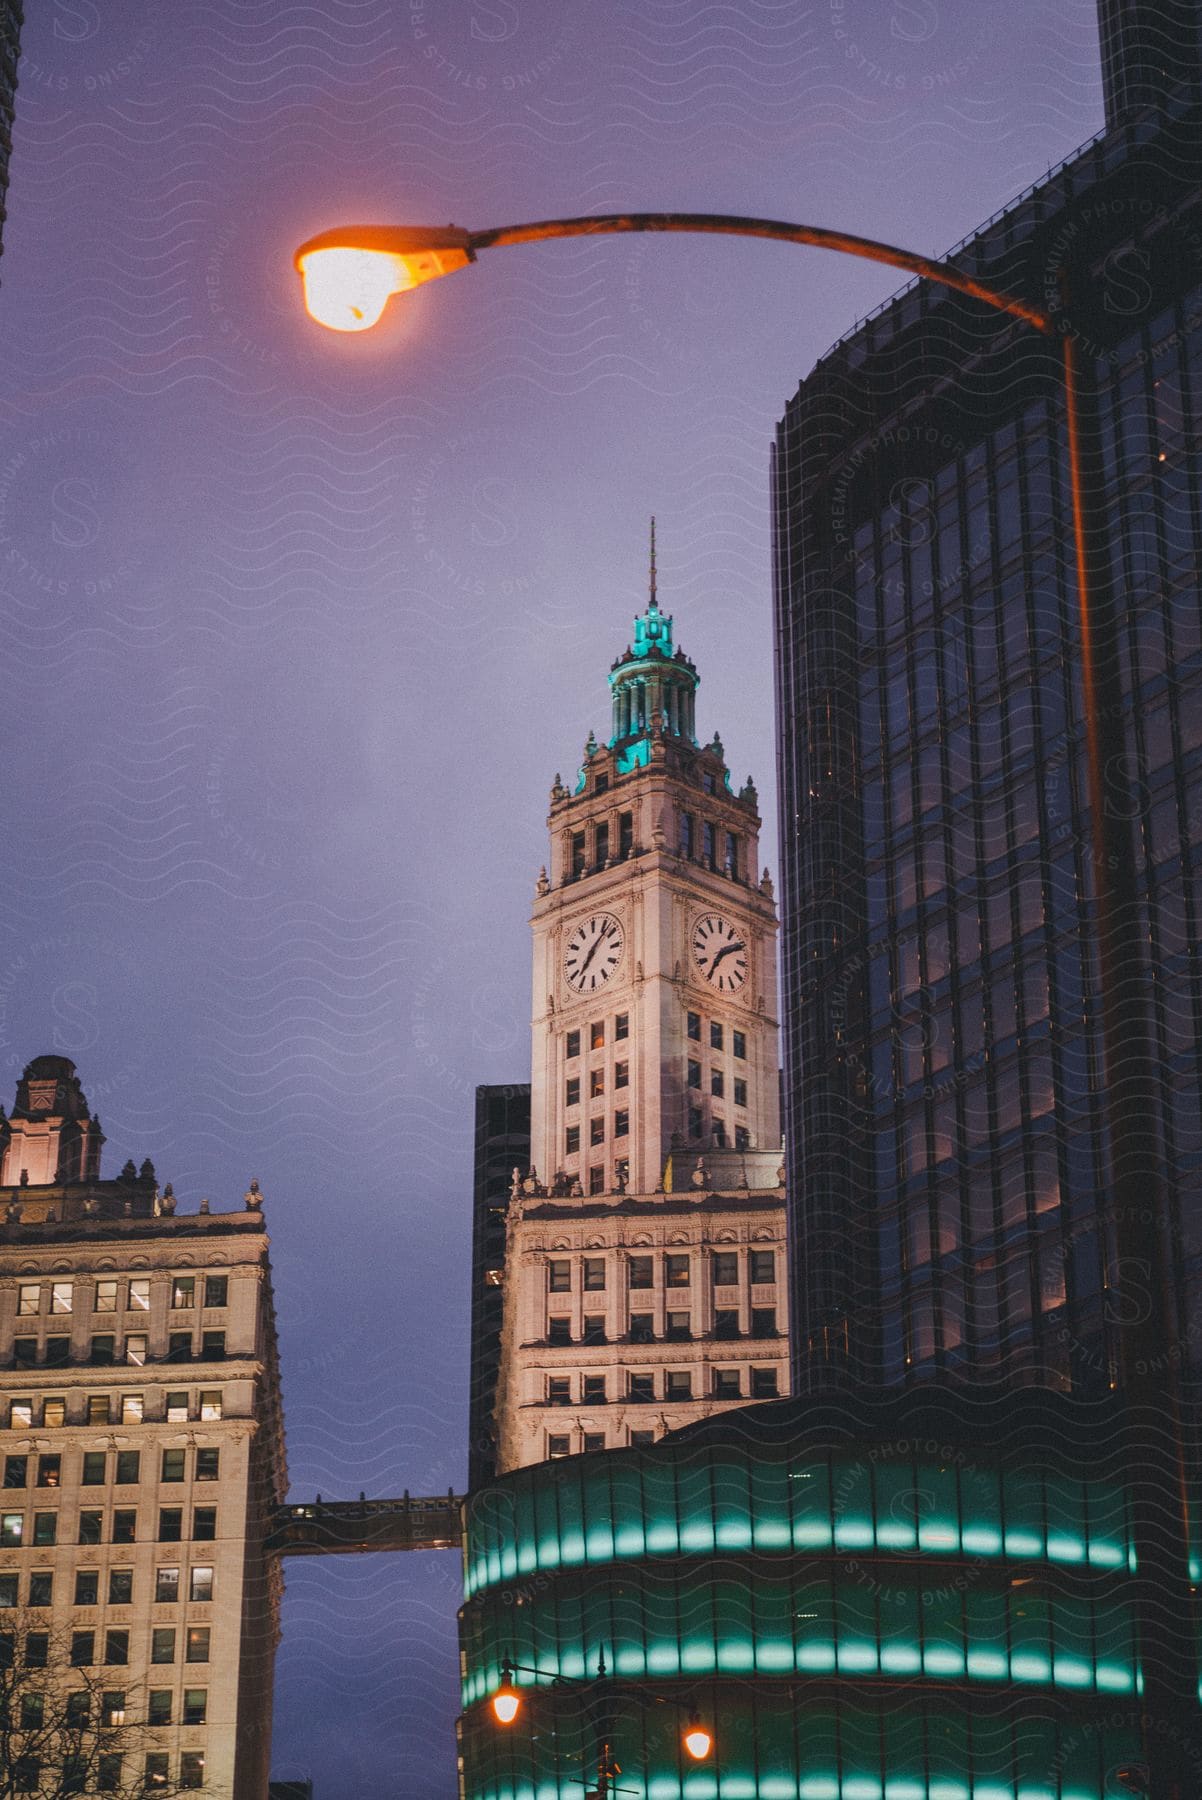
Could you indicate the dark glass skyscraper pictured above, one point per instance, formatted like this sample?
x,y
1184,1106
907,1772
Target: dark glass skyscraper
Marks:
x,y
947,1143
11,20
502,1142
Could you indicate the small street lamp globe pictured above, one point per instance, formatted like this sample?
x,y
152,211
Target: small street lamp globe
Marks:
x,y
697,1740
347,289
506,1703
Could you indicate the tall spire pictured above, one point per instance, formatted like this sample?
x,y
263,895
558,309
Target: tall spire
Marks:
x,y
654,601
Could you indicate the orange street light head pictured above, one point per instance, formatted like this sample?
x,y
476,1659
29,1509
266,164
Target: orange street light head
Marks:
x,y
697,1740
506,1702
351,273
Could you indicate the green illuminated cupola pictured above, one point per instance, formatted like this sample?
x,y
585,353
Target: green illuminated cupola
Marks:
x,y
654,686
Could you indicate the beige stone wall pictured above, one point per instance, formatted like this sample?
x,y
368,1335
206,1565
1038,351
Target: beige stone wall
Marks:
x,y
171,1436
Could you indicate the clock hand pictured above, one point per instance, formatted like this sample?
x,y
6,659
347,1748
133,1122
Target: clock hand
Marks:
x,y
592,952
726,950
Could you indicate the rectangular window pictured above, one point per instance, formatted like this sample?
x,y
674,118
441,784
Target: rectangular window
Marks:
x,y
763,1267
601,845
125,1526
135,1348
572,1091
724,1267
707,843
162,1639
621,1026
98,1409
726,1384
726,1322
676,1271
593,1440
166,1586
50,1471
559,1390
596,1035
763,1321
558,1445
596,1083
89,1527
577,853
642,1328
693,1023
87,1587
210,1403
158,1769
41,1587
58,1352
572,1044
16,1471
718,1134
625,834
641,1272
572,1140
594,1329
763,1384
200,1584
171,1524
212,1346
129,1463
8,1590
594,1390
25,1352
641,1389
29,1300
559,1276
131,1409
172,1466
559,1330
106,1297
621,1075
204,1524
594,1274
601,784
596,1181
641,1439
94,1467
731,858
108,1773
715,1035
20,1413
739,1044
192,1769
621,1124
694,1074
61,1294
121,1587
27,1770
83,1649
596,1131
217,1290
678,1385
45,1528
686,835
678,1327
139,1294
740,1093
717,1084
158,1706
37,1649
102,1352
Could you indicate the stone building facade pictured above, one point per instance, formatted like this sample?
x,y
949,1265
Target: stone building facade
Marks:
x,y
141,1445
643,1266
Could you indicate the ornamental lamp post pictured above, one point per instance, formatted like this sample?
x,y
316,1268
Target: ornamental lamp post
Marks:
x,y
351,272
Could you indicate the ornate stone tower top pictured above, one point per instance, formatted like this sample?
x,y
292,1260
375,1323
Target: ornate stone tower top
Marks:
x,y
53,1136
653,686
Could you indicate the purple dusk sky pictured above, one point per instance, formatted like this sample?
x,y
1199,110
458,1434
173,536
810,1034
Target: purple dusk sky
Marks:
x,y
298,629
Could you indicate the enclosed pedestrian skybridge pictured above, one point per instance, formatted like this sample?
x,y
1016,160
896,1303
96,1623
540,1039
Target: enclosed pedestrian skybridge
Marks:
x,y
337,1527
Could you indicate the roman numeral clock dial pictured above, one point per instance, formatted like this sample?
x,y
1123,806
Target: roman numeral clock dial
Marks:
x,y
593,952
720,952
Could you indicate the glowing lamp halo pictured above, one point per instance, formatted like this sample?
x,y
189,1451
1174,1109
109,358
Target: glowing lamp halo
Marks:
x,y
506,1703
698,1740
351,273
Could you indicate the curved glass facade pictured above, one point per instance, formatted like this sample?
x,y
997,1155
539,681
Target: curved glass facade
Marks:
x,y
937,1615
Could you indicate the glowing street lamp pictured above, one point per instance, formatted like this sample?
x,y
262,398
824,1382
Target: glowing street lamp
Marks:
x,y
350,274
698,1741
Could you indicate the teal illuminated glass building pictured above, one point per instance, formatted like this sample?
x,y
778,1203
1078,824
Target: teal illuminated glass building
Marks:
x,y
928,1605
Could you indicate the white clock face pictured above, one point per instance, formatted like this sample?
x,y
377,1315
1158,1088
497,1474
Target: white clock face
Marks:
x,y
593,952
721,952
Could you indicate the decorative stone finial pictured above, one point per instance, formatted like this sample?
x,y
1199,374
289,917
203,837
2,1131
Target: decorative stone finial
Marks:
x,y
203,1207
766,885
167,1200
590,745
542,885
146,1172
253,1198
558,790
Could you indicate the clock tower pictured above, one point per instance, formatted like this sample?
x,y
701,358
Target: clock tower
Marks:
x,y
642,1278
654,1014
